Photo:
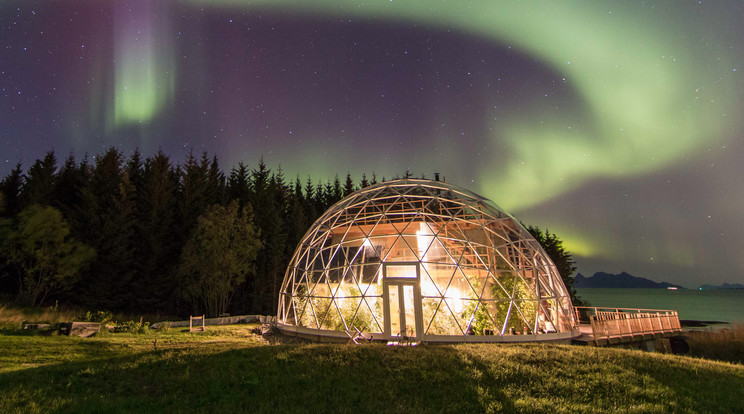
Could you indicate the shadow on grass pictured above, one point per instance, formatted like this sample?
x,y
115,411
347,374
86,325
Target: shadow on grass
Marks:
x,y
331,378
312,378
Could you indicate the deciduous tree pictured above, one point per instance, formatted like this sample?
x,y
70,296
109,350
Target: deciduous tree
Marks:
x,y
218,256
46,258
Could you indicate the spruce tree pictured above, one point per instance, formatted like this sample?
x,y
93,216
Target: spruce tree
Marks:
x,y
364,182
108,209
348,185
560,257
10,187
157,251
39,181
238,187
70,185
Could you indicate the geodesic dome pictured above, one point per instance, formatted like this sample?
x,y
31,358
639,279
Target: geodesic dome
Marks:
x,y
423,260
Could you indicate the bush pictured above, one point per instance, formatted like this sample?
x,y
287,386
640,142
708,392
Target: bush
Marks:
x,y
133,327
99,316
164,327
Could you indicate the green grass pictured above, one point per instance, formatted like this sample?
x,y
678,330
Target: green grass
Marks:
x,y
228,369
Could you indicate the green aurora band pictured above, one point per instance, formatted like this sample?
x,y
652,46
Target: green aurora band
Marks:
x,y
654,89
144,79
652,98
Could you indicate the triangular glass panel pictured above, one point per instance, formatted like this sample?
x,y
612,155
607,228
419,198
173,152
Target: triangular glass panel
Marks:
x,y
330,319
400,251
437,319
440,276
366,320
466,315
489,309
527,310
505,281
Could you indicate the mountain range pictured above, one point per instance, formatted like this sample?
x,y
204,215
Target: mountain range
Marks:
x,y
622,280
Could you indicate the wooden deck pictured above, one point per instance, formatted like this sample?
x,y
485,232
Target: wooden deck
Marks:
x,y
617,326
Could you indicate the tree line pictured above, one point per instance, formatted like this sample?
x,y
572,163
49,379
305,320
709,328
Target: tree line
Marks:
x,y
124,233
147,235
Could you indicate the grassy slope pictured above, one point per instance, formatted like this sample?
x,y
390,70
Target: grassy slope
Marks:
x,y
230,370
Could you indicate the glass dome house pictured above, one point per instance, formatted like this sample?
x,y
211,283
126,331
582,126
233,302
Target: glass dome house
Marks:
x,y
425,261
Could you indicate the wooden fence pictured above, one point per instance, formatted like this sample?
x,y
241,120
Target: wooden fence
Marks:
x,y
623,324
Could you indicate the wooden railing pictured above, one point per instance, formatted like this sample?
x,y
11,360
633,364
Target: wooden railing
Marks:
x,y
626,324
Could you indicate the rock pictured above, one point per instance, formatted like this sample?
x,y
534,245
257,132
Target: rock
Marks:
x,y
267,319
36,326
81,329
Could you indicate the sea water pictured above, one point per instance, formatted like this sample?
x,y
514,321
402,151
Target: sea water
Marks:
x,y
724,305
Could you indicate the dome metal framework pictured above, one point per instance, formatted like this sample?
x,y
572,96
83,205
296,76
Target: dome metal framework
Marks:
x,y
427,261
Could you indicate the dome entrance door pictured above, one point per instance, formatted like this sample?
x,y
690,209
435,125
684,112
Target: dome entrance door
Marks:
x,y
402,304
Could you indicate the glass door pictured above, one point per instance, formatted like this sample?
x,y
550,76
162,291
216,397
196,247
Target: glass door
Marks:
x,y
402,305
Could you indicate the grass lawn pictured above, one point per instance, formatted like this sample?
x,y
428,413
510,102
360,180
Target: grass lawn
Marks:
x,y
228,369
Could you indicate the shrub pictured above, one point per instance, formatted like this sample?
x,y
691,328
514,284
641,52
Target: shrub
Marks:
x,y
137,327
164,327
99,316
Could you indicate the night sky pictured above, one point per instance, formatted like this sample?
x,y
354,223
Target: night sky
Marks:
x,y
616,125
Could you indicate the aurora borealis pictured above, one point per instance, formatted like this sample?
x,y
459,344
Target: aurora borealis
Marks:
x,y
616,125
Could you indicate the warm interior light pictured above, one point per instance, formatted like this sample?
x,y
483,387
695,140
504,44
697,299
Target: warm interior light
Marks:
x,y
367,243
408,298
341,294
424,237
427,287
403,271
454,298
368,289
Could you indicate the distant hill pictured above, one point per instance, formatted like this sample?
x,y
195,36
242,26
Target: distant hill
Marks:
x,y
622,280
723,286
